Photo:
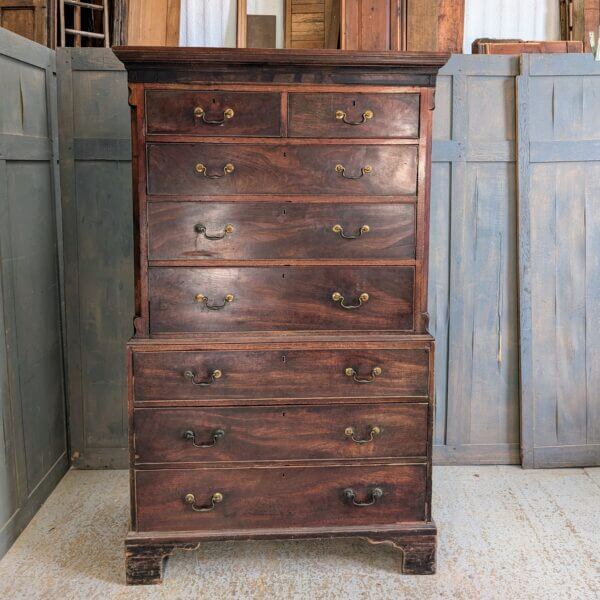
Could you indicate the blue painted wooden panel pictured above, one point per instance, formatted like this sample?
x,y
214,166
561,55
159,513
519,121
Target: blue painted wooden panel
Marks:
x,y
473,248
98,240
33,447
559,192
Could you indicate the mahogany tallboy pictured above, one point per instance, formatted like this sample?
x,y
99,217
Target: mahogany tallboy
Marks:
x,y
281,372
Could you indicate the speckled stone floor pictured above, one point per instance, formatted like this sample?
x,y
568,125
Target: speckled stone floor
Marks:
x,y
505,533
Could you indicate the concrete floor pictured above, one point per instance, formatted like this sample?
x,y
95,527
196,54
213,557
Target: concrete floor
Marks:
x,y
505,533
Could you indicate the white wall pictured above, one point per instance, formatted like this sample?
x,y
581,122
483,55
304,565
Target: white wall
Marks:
x,y
523,19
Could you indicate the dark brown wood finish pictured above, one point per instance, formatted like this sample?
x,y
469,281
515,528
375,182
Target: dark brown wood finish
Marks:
x,y
281,169
176,112
276,299
269,433
296,374
280,230
365,115
282,369
279,497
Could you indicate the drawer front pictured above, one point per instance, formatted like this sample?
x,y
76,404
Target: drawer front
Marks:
x,y
221,169
213,113
354,115
279,497
268,433
256,374
195,300
233,230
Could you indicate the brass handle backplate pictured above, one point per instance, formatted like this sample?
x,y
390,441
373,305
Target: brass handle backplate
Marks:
x,y
341,115
200,113
200,229
193,377
366,170
216,435
340,231
349,432
351,372
372,497
228,169
337,297
202,299
215,499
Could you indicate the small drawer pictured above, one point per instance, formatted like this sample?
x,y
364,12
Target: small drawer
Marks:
x,y
239,375
265,230
198,299
207,113
234,499
354,115
293,169
271,433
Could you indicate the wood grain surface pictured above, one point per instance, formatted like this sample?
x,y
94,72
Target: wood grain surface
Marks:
x,y
286,298
314,115
261,433
280,374
279,497
281,169
172,112
280,231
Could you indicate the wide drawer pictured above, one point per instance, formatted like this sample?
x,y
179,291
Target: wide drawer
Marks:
x,y
262,230
199,299
243,374
269,433
279,497
208,113
221,169
354,115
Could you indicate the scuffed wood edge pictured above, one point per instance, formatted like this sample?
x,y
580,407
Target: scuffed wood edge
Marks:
x,y
144,563
418,552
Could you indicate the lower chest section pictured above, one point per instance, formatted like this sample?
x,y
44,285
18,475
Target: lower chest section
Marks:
x,y
280,435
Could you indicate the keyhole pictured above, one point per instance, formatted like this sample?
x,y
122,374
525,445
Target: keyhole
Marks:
x,y
214,100
283,275
285,155
353,102
284,211
283,414
283,358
